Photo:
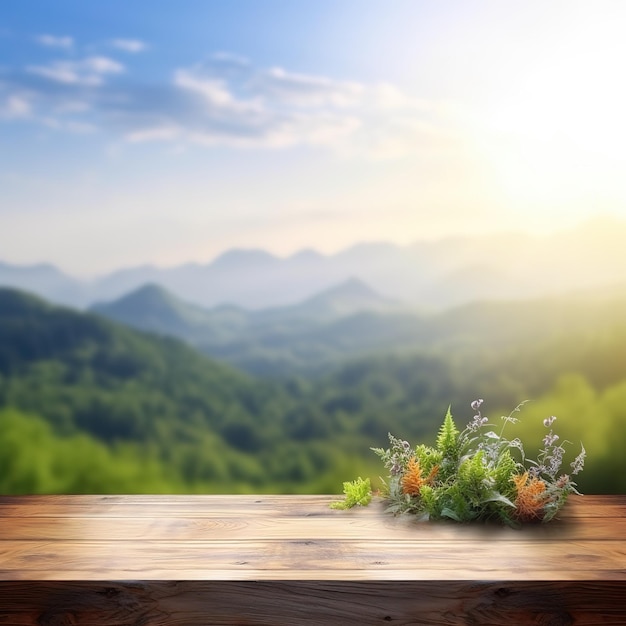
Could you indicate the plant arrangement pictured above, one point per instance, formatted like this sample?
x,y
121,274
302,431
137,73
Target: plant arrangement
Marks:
x,y
473,474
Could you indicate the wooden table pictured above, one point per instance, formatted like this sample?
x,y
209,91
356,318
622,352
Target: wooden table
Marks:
x,y
183,560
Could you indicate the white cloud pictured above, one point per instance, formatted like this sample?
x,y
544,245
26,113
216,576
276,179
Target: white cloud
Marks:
x,y
129,45
71,126
238,110
305,90
215,93
73,106
89,71
228,101
103,65
243,105
55,42
227,58
156,133
318,129
389,97
60,72
15,106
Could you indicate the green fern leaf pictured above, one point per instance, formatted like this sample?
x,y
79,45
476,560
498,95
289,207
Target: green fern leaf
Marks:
x,y
447,439
357,493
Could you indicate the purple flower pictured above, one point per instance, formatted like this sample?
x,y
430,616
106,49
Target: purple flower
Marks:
x,y
477,422
476,404
579,462
549,421
548,440
554,461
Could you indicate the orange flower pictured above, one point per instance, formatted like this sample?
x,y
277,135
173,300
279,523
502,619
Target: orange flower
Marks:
x,y
531,497
432,474
413,480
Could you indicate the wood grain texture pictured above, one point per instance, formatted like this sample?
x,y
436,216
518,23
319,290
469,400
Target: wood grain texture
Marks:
x,y
181,560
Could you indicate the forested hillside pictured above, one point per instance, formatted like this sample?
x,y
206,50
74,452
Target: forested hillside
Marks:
x,y
150,404
91,406
350,322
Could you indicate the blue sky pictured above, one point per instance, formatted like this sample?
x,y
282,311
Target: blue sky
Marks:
x,y
142,132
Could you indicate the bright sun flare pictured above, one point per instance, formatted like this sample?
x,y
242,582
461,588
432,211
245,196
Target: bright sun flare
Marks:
x,y
553,138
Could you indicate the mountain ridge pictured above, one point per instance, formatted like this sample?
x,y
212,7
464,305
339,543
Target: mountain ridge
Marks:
x,y
307,339
428,273
153,308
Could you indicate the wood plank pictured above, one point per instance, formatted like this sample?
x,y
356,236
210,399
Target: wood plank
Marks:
x,y
305,603
423,573
211,528
280,558
188,506
233,505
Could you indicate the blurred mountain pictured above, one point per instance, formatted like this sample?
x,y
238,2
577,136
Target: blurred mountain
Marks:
x,y
88,405
152,308
352,321
43,279
430,274
351,296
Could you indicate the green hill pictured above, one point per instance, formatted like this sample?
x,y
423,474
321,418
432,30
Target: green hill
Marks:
x,y
267,342
147,400
152,308
351,321
87,404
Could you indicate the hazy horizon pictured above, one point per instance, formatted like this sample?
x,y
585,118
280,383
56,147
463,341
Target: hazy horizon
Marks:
x,y
604,222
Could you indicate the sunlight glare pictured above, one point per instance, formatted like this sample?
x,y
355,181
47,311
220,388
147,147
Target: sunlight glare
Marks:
x,y
553,138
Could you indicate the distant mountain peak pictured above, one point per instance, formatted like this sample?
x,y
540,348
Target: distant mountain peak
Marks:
x,y
306,254
349,296
153,308
353,286
239,258
32,267
149,306
149,289
150,292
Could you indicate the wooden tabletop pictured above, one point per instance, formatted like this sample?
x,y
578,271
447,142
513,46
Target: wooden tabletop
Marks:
x,y
294,537
84,539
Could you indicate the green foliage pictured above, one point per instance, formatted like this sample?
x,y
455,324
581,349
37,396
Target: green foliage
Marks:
x,y
485,482
448,446
134,400
504,468
447,440
34,460
204,427
428,457
356,493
